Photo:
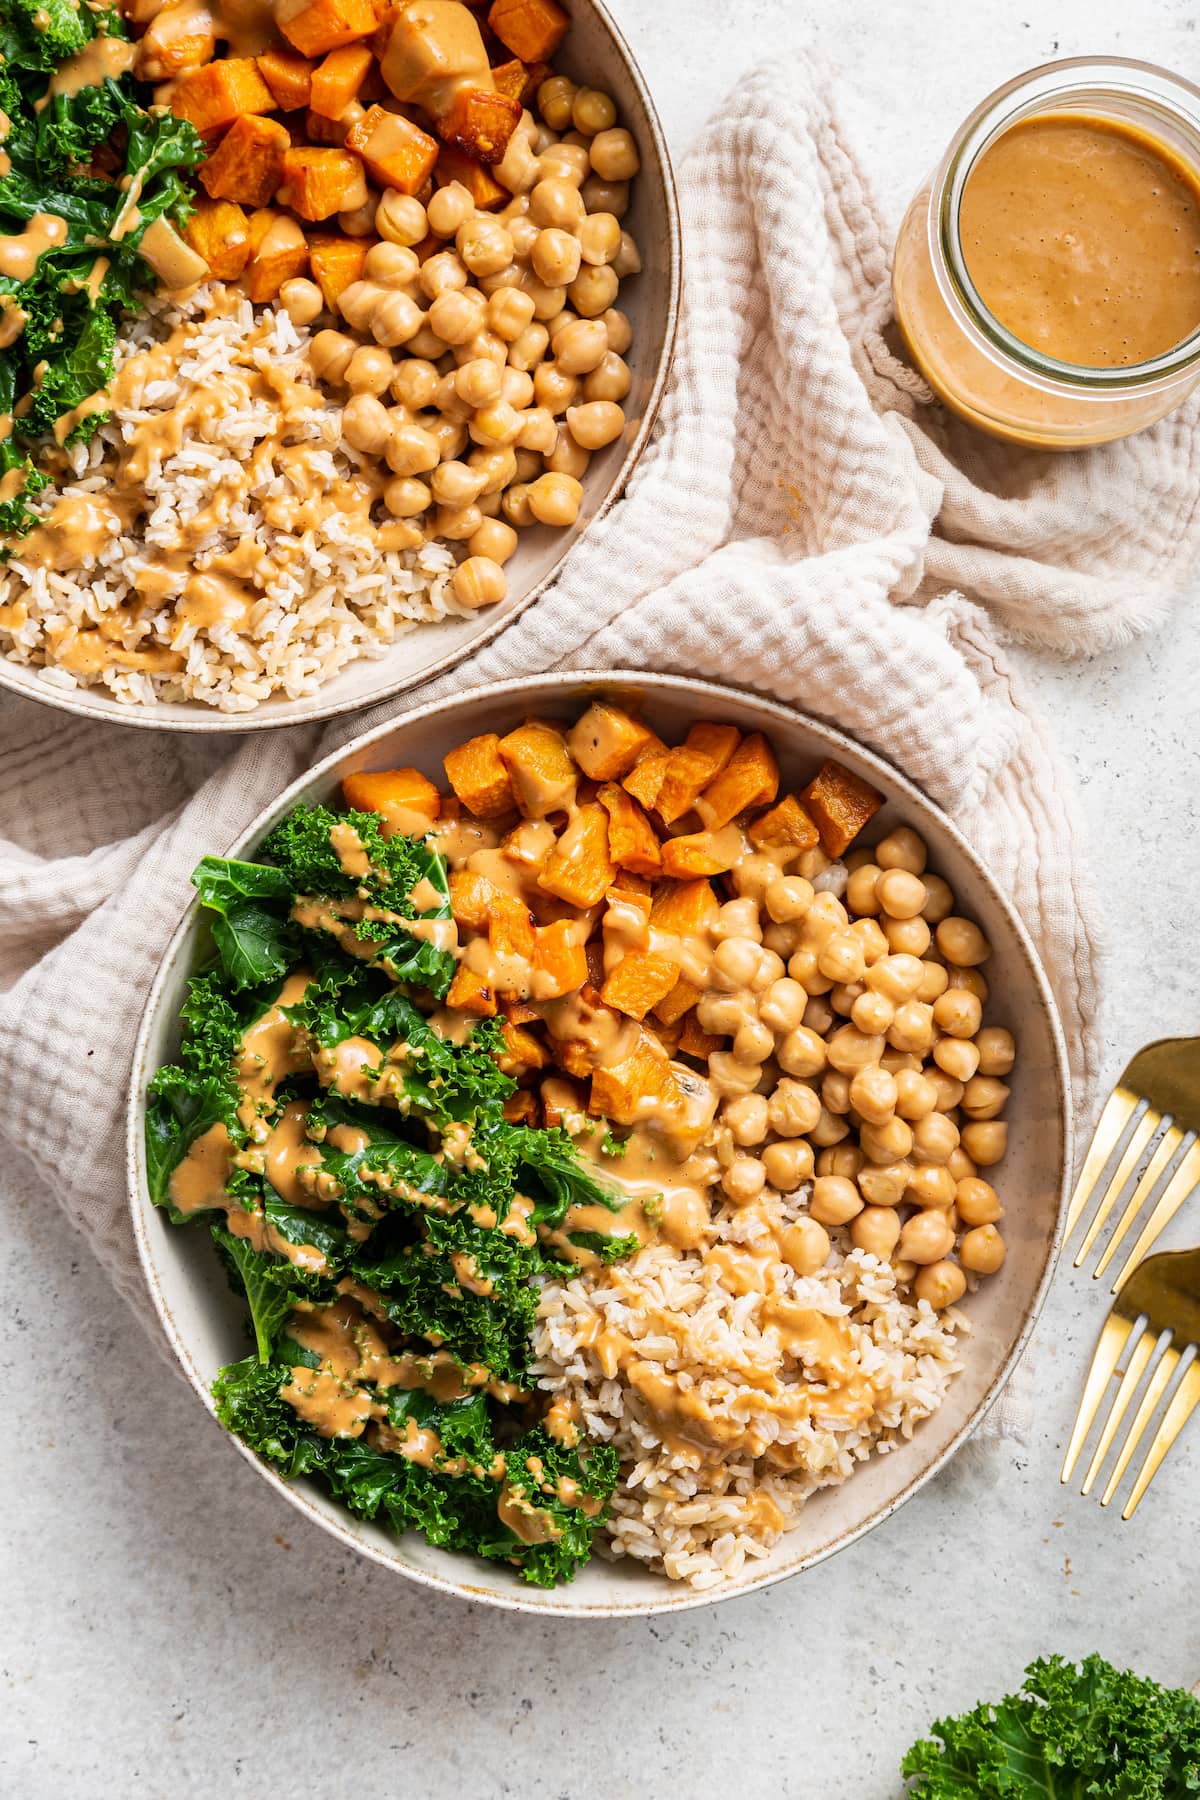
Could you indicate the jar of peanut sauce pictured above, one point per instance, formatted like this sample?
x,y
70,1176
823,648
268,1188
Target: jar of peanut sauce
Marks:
x,y
1047,276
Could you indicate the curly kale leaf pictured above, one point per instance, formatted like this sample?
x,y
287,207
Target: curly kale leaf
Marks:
x,y
249,1404
39,34
17,517
303,848
442,1083
1072,1731
553,1172
387,1171
182,1107
271,1284
251,927
593,1474
80,368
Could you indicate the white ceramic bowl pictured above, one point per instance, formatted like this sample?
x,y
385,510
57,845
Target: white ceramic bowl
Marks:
x,y
594,53
205,1322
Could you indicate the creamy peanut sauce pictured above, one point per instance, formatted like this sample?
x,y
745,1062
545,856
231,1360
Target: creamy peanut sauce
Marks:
x,y
13,320
271,1050
104,59
19,253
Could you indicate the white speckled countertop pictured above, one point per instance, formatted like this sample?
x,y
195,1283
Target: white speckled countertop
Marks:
x,y
169,1629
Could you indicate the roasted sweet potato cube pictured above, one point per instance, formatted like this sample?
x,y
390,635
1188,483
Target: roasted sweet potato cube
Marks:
x,y
480,183
560,1098
337,79
520,81
685,908
177,38
289,77
559,960
531,29
749,778
701,853
319,183
717,741
480,121
528,843
574,1057
519,1012
279,253
397,153
682,997
406,800
631,905
522,1052
631,841
694,1041
314,27
337,261
639,981
579,868
619,1092
476,772
213,97
624,882
606,742
646,778
840,804
511,935
472,896
542,773
687,772
246,164
785,827
521,1108
469,993
220,232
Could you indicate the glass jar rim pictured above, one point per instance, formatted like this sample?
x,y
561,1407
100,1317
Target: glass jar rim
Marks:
x,y
1176,102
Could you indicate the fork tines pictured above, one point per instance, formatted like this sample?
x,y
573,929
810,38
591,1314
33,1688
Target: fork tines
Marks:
x,y
1144,1350
1126,1112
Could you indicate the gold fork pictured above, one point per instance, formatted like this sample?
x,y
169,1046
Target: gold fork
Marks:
x,y
1165,1077
1156,1311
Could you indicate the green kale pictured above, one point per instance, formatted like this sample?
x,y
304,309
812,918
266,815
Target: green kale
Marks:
x,y
39,34
302,847
1072,1731
552,1170
271,1284
249,1404
251,926
182,1107
386,1172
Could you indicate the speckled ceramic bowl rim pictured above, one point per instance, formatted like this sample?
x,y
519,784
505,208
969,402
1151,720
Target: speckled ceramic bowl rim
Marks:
x,y
661,1596
208,720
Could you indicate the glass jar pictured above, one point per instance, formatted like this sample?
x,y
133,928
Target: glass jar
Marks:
x,y
972,363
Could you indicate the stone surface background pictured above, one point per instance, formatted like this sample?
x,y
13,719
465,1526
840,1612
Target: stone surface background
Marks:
x,y
170,1630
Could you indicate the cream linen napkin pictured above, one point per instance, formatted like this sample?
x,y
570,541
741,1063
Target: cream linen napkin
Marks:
x,y
801,526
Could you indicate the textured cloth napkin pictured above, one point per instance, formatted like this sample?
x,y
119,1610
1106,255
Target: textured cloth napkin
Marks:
x,y
806,524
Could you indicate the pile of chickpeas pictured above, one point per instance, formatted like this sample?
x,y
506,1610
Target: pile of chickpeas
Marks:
x,y
890,1089
502,354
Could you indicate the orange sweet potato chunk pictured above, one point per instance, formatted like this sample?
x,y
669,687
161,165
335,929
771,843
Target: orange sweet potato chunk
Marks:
x,y
694,1041
279,253
319,183
511,935
579,868
632,844
522,1052
337,261
700,853
247,163
472,897
397,153
521,1108
479,777
619,1091
685,908
289,77
219,231
786,827
646,778
682,997
337,79
314,27
480,121
750,778
542,773
687,772
559,960
639,981
480,183
841,803
177,38
560,1097
606,742
406,800
717,741
520,81
469,993
531,29
213,97
626,883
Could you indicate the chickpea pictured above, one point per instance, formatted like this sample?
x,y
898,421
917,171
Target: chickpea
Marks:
x,y
517,388
985,1141
406,498
593,290
479,582
592,111
555,499
935,1138
896,976
977,1202
329,355
835,1200
802,1052
869,935
620,331
449,402
916,1097
930,1185
842,1159
556,257
484,245
872,1014
933,983
449,208
558,204
971,982
721,1014
753,1043
427,344
509,311
802,967
939,900
886,1143
805,1246
849,1049
548,300
529,346
912,1028
555,97
497,467
982,1250
783,1005
735,958
476,383
366,424
793,1108
494,541
788,897
606,196
885,1184
302,301
538,430
825,916
552,389
789,1163
873,1095
957,1013
876,1230
835,1092
356,221
569,162
940,1284
613,155
498,423
396,319
961,1166
841,958
628,260
818,1014
455,484
391,265
457,316
610,381
926,1238
900,894
595,424
746,1119
861,895
829,1129
948,1092
997,1050
529,465
902,848
909,937
962,942
457,522
567,457
895,1061
732,1076
400,218
444,273
956,1058
514,504
600,238
412,450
